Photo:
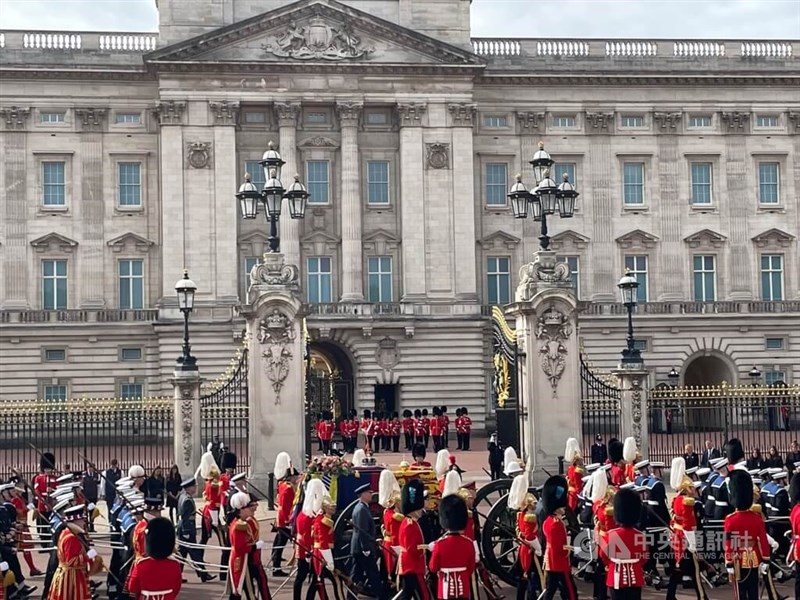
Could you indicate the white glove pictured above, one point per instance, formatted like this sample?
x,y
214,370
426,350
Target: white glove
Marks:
x,y
328,556
397,550
730,572
31,506
430,546
215,517
772,543
90,507
691,541
259,544
92,554
3,567
367,552
477,550
537,547
763,568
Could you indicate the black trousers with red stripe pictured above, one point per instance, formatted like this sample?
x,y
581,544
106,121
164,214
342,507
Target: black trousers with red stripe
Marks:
x,y
562,583
412,585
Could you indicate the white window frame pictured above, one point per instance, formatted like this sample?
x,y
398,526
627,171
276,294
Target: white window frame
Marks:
x,y
562,166
249,113
48,349
309,183
710,123
386,184
694,185
55,278
128,118
773,376
768,339
379,273
569,121
52,121
487,185
574,263
495,121
625,124
770,297
129,304
247,264
257,175
703,271
777,182
130,383
769,125
642,184
639,273
319,274
120,184
372,113
51,387
63,185
497,273
124,349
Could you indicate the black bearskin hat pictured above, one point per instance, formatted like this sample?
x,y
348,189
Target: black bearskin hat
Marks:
x,y
627,508
740,487
353,413
367,414
437,411
228,460
453,513
159,538
554,494
794,489
47,461
417,413
407,413
734,451
424,412
412,497
464,410
615,450
419,450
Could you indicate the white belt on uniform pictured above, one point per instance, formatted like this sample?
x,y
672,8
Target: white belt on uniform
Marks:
x,y
621,561
720,503
448,574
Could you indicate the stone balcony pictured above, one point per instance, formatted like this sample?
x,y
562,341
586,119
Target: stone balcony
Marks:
x,y
78,316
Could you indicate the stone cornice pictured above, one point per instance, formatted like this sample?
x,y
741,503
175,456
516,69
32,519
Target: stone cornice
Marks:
x,y
224,113
623,79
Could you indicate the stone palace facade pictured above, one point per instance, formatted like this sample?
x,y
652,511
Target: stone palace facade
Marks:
x,y
121,155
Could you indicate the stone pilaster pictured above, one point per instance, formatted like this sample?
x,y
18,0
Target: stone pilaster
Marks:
x,y
669,209
601,211
352,263
412,194
463,207
633,406
13,140
738,207
286,114
187,442
226,217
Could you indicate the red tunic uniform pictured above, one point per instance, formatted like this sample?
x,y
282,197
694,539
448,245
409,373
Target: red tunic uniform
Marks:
x,y
794,520
322,533
746,545
242,543
419,427
604,518
304,542
391,538
394,427
408,425
453,560
412,542
71,579
575,481
151,575
619,475
464,425
224,486
556,556
285,504
43,484
211,493
527,530
24,541
446,423
630,472
469,530
624,551
437,426
684,521
325,430
137,539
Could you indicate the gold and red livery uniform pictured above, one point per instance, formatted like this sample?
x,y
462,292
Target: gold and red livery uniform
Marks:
x,y
322,534
624,551
392,519
684,523
412,555
528,531
154,575
71,579
619,475
746,545
453,560
213,498
575,474
246,573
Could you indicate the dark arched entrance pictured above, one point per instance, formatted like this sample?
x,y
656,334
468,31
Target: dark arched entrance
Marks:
x,y
707,370
329,380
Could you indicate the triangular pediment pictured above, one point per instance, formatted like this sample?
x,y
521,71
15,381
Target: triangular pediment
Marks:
x,y
314,31
381,235
253,236
637,239
380,241
320,235
705,237
569,239
135,240
499,239
54,241
773,237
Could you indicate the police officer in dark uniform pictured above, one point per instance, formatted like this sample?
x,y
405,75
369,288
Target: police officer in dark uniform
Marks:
x,y
187,528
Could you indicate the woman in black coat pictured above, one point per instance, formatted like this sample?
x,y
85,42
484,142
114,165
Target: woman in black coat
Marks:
x,y
173,488
774,460
155,484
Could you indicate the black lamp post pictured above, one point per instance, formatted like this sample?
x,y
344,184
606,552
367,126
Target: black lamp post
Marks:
x,y
755,375
185,289
673,376
627,289
546,199
272,196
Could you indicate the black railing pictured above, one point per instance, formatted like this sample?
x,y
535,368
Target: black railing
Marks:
x,y
599,406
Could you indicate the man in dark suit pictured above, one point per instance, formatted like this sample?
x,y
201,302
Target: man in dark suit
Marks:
x,y
709,454
363,549
599,451
690,456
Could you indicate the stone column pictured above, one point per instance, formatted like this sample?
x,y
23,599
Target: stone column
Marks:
x,y
669,209
605,204
739,204
188,446
546,313
15,239
352,262
633,405
412,199
286,114
276,377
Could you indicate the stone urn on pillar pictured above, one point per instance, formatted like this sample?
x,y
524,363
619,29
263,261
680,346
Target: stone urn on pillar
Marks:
x,y
276,376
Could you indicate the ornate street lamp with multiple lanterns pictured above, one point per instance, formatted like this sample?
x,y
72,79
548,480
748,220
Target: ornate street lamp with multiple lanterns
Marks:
x,y
546,199
185,288
755,375
628,287
272,196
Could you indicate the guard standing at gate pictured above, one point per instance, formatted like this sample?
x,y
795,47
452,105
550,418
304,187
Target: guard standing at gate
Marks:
x,y
187,528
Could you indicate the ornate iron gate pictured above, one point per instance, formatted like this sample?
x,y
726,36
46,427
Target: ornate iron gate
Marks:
x,y
225,410
600,408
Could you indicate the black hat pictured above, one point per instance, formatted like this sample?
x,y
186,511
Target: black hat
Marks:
x,y
187,483
794,489
353,413
734,451
615,451
424,412
407,413
417,413
159,538
554,494
443,409
367,413
458,412
419,450
464,410
412,497
228,461
453,513
627,507
47,461
363,488
740,487
154,503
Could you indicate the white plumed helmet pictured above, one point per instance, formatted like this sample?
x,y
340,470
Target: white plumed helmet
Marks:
x,y
358,457
239,500
677,473
452,483
629,449
510,455
283,463
315,493
572,450
135,471
207,463
442,462
599,485
518,492
388,489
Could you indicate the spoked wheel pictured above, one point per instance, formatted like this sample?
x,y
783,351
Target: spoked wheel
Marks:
x,y
343,530
488,495
498,542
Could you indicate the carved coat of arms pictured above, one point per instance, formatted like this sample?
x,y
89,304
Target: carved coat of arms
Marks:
x,y
318,40
553,329
276,335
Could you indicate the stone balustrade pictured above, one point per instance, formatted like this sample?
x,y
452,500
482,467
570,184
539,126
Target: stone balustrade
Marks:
x,y
75,41
78,316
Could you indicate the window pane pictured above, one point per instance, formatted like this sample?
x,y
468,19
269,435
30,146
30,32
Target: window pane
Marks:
x,y
131,354
701,183
317,181
54,284
256,173
632,121
378,182
559,169
131,284
496,183
633,183
498,280
130,193
768,183
573,262
700,121
637,265
53,185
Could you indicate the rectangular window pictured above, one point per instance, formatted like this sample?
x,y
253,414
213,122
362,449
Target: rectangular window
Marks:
x,y
772,277
559,169
377,118
378,182
54,183
131,284
774,343
317,179
498,280
768,183
54,284
705,278
563,121
700,121
773,377
131,391
256,173
51,117
496,184
633,183
316,117
132,354
701,183
130,184
632,121
574,264
767,121
494,121
318,270
255,118
640,345
129,118
249,263
55,393
379,270
55,354
637,265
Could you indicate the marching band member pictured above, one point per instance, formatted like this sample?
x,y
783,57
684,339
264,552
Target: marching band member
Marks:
x,y
625,548
575,471
557,567
158,571
247,577
76,560
388,498
684,530
453,557
411,565
287,478
601,496
794,520
747,551
530,548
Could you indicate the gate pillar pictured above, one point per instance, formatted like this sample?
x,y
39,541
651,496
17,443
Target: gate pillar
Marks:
x,y
187,443
633,405
546,313
276,374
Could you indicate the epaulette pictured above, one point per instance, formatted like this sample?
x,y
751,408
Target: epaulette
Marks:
x,y
241,526
398,516
688,501
609,510
327,521
756,508
530,518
